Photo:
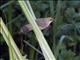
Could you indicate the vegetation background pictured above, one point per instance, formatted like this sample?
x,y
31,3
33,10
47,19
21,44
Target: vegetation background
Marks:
x,y
63,35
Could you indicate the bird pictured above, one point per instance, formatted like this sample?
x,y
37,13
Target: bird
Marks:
x,y
41,22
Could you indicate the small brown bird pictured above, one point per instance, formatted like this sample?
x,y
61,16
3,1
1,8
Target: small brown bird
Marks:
x,y
41,22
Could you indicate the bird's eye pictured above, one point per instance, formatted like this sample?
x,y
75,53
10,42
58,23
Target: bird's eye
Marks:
x,y
51,19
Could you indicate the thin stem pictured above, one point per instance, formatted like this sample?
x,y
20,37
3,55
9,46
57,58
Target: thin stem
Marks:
x,y
43,44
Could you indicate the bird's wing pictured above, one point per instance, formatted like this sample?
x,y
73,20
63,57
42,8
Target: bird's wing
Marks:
x,y
26,28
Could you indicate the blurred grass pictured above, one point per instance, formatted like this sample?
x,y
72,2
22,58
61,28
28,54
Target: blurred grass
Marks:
x,y
13,49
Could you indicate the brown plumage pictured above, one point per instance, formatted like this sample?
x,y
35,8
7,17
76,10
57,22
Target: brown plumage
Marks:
x,y
41,22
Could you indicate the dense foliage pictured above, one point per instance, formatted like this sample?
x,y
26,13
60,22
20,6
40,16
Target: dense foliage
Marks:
x,y
63,35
